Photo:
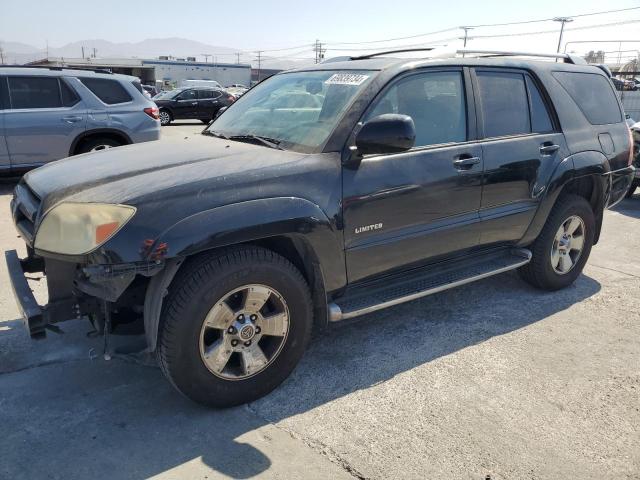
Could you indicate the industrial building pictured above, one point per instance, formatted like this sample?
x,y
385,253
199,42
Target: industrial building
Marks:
x,y
164,72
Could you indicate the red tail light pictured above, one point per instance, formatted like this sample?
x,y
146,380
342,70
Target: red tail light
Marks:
x,y
231,98
153,112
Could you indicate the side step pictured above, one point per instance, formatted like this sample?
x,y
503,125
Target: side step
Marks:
x,y
418,283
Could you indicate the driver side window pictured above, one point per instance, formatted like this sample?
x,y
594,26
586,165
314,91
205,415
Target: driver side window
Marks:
x,y
436,103
188,95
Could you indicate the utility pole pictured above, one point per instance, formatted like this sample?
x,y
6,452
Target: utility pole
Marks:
x,y
466,35
82,52
238,57
319,51
206,57
562,20
259,52
95,52
1,55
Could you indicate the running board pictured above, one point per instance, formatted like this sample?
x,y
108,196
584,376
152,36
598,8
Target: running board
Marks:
x,y
398,289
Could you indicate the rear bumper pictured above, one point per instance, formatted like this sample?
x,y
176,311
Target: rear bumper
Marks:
x,y
32,314
618,183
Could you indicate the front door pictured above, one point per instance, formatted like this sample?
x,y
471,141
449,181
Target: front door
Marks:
x,y
421,205
186,105
44,118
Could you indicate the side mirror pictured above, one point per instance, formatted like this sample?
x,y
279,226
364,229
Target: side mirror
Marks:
x,y
388,133
220,112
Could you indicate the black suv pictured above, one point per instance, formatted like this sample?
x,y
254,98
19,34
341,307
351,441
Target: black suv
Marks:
x,y
197,103
400,178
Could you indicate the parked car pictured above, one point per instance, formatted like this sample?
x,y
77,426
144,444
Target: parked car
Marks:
x,y
237,91
49,114
199,103
410,177
151,90
635,131
618,84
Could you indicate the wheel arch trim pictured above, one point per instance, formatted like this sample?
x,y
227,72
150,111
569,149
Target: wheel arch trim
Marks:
x,y
96,132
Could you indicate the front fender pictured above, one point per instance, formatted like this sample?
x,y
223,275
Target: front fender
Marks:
x,y
258,219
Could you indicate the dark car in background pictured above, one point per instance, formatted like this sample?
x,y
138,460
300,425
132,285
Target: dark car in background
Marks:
x,y
200,103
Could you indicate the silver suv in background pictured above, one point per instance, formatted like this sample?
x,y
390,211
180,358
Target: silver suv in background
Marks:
x,y
51,113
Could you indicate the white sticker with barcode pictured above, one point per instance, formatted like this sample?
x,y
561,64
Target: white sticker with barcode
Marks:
x,y
346,79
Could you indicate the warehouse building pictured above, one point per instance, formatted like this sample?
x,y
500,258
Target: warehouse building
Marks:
x,y
164,72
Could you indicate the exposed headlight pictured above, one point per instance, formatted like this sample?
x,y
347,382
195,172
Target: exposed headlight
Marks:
x,y
79,228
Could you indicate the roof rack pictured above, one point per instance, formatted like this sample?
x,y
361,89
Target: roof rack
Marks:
x,y
501,53
387,52
56,68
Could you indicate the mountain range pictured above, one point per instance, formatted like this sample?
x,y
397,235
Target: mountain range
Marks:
x,y
19,53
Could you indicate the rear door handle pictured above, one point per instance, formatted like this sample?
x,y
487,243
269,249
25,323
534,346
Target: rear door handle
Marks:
x,y
72,119
194,103
548,149
466,163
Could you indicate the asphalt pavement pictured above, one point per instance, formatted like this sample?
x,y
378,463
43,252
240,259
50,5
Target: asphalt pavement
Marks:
x,y
491,379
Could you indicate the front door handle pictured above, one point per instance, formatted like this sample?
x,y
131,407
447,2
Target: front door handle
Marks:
x,y
465,163
72,119
549,148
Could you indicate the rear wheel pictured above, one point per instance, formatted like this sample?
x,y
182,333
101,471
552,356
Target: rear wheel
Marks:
x,y
165,117
234,326
562,248
97,144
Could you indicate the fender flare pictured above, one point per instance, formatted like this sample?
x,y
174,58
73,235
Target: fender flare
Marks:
x,y
244,222
97,131
589,163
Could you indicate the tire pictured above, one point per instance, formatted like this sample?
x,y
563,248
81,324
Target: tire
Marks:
x,y
201,287
165,117
632,188
97,144
540,271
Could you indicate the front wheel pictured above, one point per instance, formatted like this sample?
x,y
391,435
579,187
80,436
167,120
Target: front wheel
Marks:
x,y
234,326
562,248
165,117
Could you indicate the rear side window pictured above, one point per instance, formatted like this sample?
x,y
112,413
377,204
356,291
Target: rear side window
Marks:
x,y
540,119
109,91
69,96
505,109
593,94
34,92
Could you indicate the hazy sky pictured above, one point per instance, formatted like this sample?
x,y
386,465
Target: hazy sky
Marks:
x,y
273,24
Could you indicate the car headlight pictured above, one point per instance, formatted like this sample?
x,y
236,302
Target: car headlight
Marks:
x,y
79,228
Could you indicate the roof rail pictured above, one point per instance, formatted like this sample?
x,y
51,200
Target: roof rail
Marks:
x,y
501,53
387,52
56,68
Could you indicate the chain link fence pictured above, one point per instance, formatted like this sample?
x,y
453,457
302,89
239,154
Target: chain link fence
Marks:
x,y
629,94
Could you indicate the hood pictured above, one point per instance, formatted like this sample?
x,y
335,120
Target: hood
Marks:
x,y
131,173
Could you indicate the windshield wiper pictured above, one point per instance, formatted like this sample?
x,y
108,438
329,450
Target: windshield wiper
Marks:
x,y
266,141
214,134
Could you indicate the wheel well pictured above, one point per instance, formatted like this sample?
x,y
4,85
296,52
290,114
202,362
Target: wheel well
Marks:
x,y
110,134
591,190
298,252
168,110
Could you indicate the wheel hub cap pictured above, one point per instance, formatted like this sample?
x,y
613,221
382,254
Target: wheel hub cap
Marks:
x,y
568,245
244,332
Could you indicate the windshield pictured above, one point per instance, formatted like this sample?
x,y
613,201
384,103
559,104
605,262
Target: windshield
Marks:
x,y
298,110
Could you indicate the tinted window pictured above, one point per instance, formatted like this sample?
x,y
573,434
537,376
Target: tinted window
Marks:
x,y
208,94
593,94
436,103
69,96
505,107
109,91
187,95
34,92
540,119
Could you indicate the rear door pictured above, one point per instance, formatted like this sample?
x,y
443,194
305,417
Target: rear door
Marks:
x,y
521,147
5,164
44,118
208,102
186,104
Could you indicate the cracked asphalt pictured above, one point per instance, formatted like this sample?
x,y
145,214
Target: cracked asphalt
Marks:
x,y
492,379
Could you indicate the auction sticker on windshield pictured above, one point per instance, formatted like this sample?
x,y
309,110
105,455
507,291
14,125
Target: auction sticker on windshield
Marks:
x,y
346,79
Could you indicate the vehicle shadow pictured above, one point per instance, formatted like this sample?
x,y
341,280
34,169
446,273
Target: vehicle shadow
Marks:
x,y
120,420
629,206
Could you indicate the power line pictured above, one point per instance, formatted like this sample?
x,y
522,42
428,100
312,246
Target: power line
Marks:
x,y
394,39
539,32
